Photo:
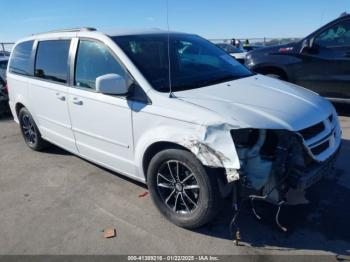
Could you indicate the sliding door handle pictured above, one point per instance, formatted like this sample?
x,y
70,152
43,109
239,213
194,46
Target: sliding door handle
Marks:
x,y
77,101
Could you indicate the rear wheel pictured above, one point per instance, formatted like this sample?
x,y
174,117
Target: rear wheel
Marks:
x,y
182,189
30,131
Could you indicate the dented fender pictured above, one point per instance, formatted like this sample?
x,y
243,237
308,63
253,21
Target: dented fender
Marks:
x,y
211,144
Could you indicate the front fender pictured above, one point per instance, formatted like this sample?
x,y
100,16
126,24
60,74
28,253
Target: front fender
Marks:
x,y
211,144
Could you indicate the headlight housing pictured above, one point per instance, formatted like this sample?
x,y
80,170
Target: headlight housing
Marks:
x,y
245,137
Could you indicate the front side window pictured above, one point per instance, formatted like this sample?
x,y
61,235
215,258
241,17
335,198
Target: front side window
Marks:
x,y
93,60
335,36
194,62
52,60
20,61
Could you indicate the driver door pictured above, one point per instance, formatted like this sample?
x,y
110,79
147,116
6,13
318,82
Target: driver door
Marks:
x,y
101,123
326,66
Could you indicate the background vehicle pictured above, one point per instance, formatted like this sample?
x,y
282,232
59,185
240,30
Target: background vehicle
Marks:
x,y
237,53
252,47
4,54
320,62
207,131
3,91
3,67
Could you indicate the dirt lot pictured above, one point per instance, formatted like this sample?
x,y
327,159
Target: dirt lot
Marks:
x,y
56,203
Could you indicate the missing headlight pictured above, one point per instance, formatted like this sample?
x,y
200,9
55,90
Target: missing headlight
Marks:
x,y
245,137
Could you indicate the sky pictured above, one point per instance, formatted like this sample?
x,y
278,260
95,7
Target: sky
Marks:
x,y
213,19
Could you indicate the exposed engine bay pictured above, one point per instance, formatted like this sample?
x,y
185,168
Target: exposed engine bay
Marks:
x,y
275,161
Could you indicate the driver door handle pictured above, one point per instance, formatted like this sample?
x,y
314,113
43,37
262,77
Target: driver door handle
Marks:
x,y
60,97
77,101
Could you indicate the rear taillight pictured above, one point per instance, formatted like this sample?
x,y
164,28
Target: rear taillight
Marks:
x,y
285,49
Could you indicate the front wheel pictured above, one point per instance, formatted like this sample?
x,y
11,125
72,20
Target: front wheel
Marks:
x,y
182,189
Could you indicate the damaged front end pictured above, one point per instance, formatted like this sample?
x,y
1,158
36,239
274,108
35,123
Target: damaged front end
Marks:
x,y
278,166
275,163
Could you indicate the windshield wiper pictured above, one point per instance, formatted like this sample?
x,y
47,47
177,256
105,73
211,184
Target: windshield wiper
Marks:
x,y
201,83
217,81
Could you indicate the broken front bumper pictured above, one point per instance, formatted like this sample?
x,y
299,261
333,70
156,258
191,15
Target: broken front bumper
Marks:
x,y
303,179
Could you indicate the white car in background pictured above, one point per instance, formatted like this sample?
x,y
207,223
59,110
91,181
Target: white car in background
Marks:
x,y
195,128
237,53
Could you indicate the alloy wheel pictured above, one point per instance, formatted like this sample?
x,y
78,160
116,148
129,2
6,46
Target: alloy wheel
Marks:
x,y
29,129
178,187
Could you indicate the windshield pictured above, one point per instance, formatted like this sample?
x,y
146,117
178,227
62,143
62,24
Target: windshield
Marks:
x,y
194,61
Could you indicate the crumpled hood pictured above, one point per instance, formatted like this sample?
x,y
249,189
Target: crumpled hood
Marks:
x,y
261,102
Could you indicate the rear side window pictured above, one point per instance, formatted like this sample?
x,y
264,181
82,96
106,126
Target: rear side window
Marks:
x,y
52,60
20,60
94,60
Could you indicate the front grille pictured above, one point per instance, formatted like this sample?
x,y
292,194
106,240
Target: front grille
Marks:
x,y
322,137
312,131
320,148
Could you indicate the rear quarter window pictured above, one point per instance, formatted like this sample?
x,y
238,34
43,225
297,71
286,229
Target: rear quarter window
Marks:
x,y
21,59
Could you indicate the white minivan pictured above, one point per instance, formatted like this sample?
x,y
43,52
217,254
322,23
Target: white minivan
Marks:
x,y
174,111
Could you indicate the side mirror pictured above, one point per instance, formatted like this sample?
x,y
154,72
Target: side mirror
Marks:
x,y
111,84
307,45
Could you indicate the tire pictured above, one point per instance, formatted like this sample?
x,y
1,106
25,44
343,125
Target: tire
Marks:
x,y
30,131
198,196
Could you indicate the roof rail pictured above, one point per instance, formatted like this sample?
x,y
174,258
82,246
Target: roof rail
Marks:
x,y
70,30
